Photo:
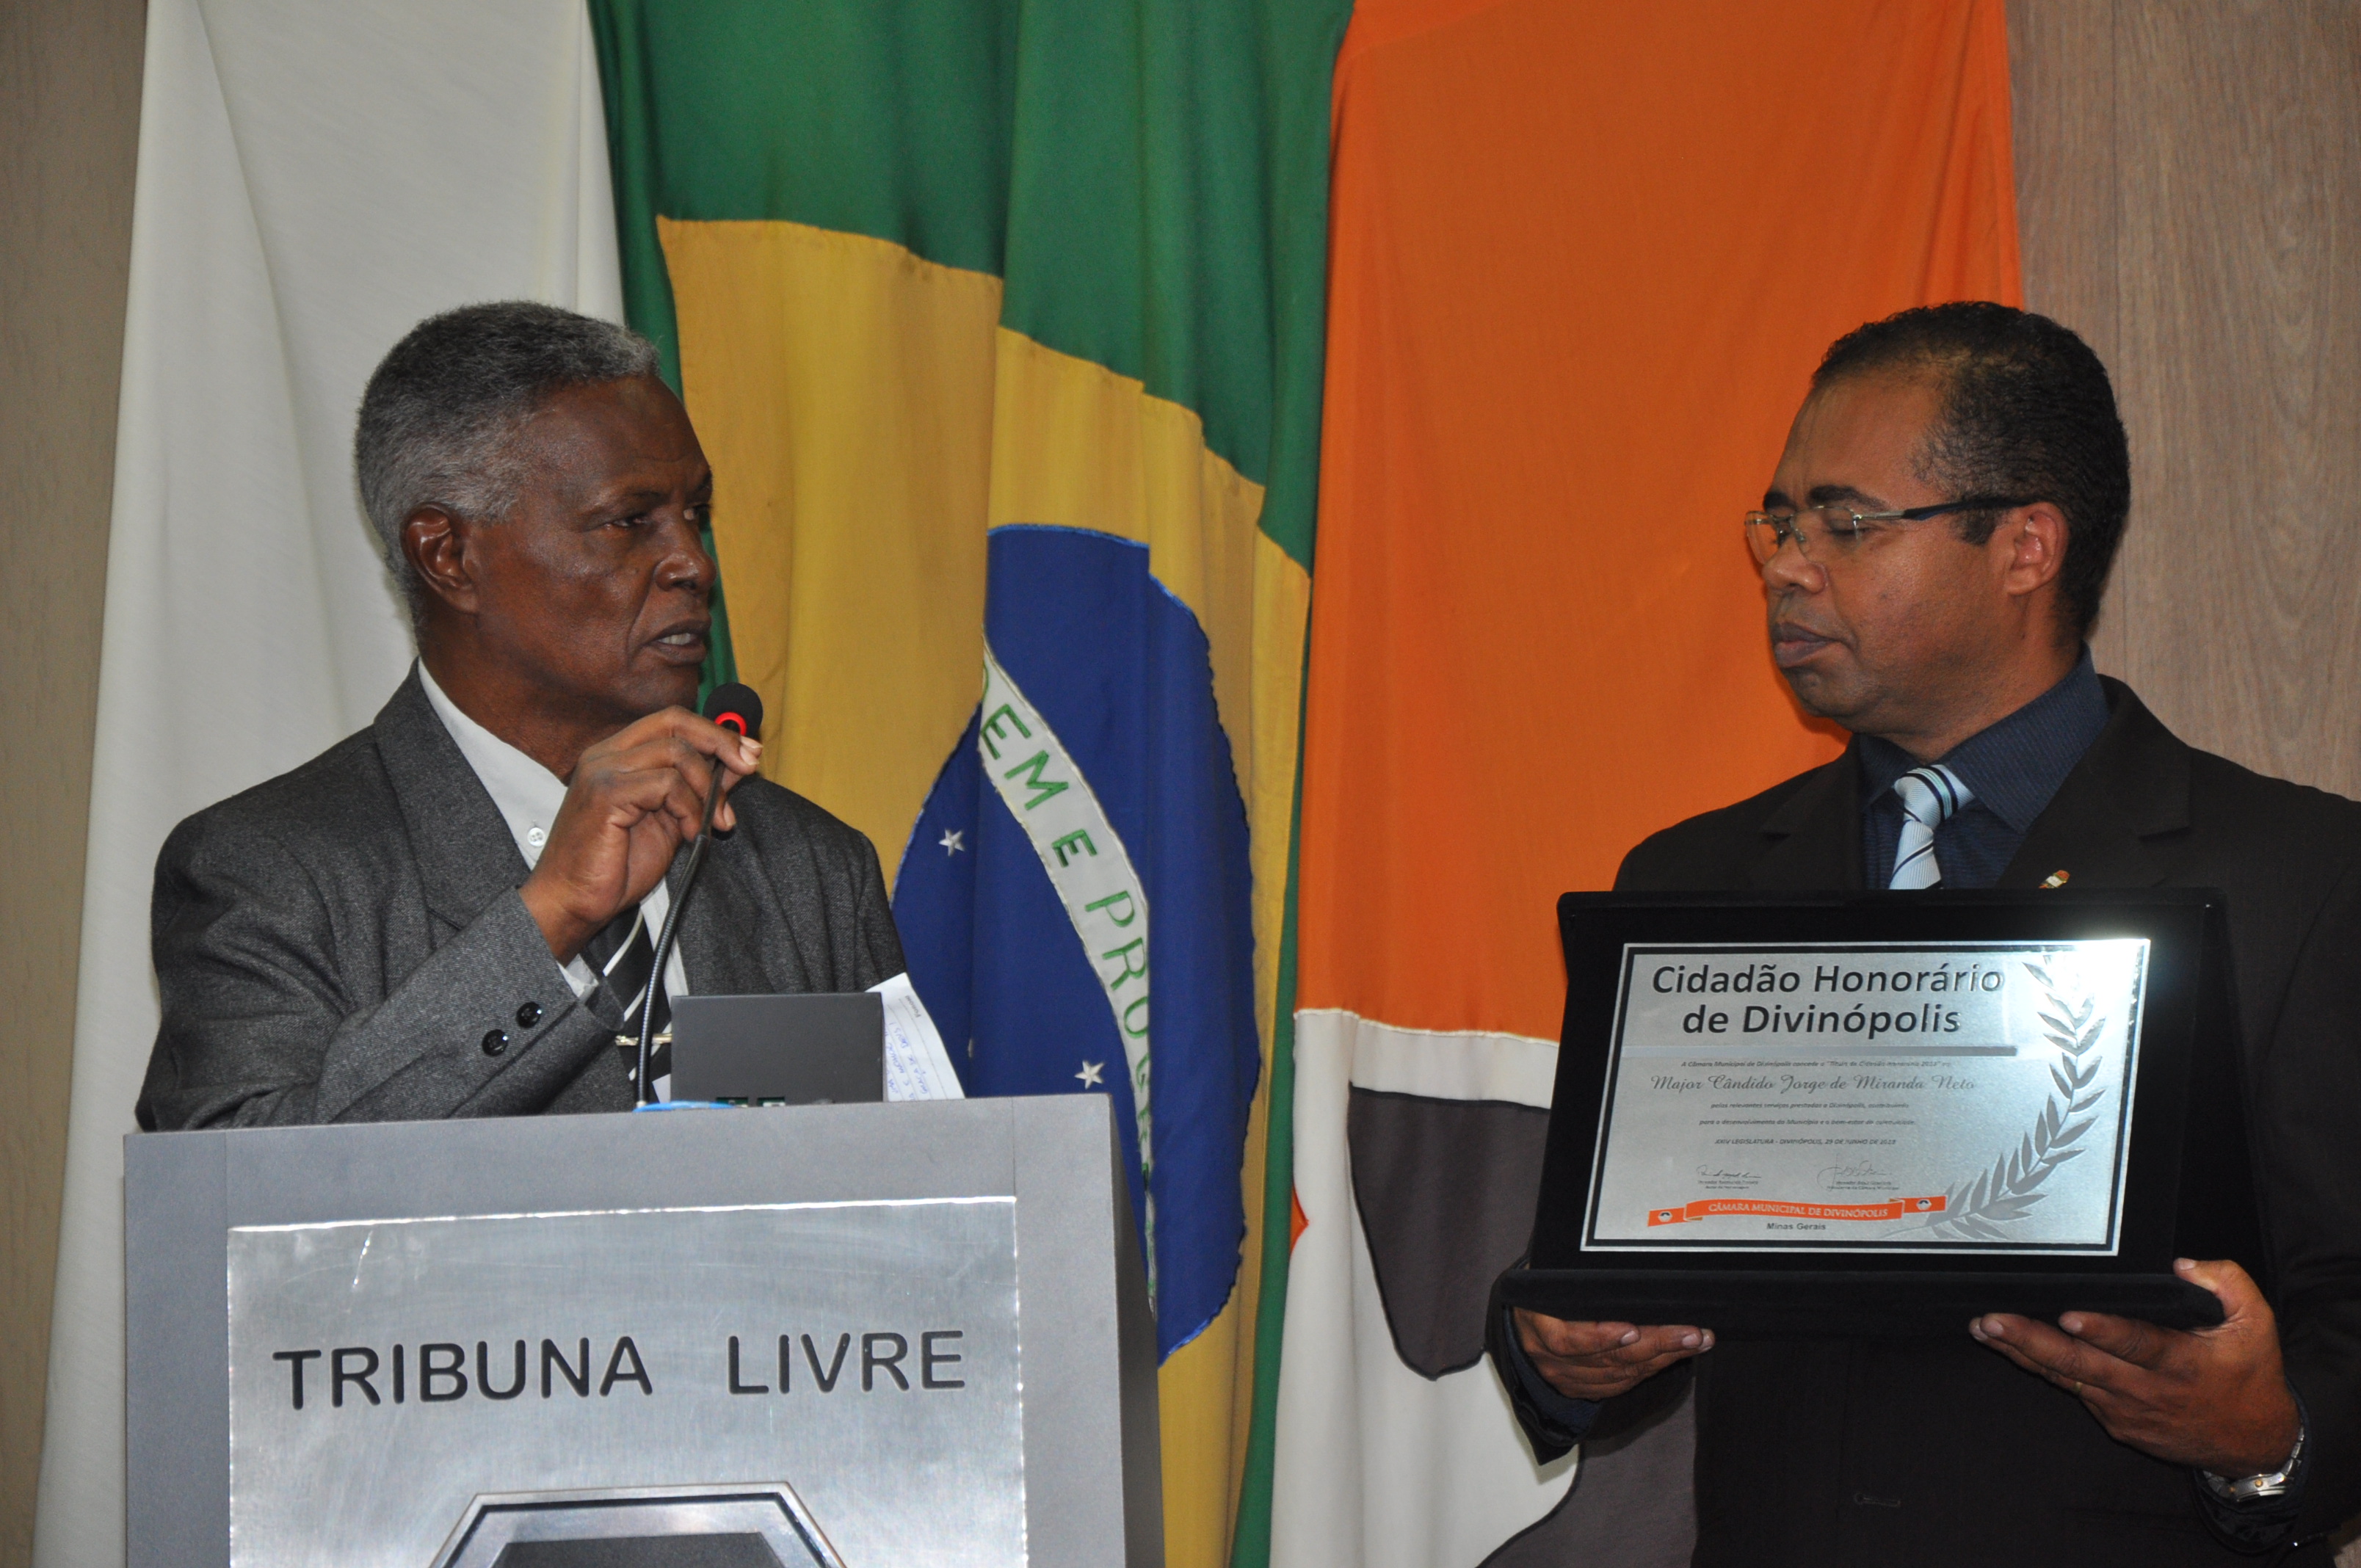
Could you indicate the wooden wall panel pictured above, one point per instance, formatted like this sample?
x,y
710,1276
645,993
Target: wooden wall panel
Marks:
x,y
2239,266
2189,173
2061,66
68,124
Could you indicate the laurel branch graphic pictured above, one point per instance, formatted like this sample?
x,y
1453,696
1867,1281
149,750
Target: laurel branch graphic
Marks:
x,y
1974,1210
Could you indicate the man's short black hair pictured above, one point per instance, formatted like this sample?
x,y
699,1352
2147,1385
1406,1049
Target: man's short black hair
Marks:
x,y
444,406
2028,410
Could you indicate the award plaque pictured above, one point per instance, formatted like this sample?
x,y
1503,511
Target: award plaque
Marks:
x,y
1887,1113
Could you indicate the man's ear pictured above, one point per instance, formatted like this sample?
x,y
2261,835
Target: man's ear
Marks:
x,y
435,541
2035,537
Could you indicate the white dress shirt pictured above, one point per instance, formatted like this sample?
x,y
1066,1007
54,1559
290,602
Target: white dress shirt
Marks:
x,y
528,796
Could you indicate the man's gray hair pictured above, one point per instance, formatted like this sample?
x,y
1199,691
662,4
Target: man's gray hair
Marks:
x,y
443,411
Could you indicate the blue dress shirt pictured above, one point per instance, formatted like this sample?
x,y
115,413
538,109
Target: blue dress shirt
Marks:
x,y
2013,769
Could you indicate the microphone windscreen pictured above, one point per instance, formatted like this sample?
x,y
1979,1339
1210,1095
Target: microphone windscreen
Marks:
x,y
737,706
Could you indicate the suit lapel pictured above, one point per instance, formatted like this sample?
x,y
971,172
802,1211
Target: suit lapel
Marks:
x,y
2131,785
732,940
465,855
1813,839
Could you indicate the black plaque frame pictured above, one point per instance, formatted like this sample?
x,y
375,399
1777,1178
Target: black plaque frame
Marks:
x,y
2190,1189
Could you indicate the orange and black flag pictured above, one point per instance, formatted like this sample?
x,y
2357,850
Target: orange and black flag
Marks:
x,y
1585,256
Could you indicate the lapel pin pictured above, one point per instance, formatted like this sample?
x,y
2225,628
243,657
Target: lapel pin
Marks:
x,y
2057,879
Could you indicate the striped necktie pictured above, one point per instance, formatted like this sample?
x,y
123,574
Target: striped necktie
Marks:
x,y
623,956
1928,795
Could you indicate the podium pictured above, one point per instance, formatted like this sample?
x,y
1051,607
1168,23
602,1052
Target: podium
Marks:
x,y
823,1337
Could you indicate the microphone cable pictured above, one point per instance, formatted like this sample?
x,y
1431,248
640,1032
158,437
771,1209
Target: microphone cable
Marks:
x,y
734,706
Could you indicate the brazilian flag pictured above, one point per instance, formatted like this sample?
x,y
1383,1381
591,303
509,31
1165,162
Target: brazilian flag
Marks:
x,y
1002,325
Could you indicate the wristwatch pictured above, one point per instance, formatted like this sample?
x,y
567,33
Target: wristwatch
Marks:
x,y
2253,1488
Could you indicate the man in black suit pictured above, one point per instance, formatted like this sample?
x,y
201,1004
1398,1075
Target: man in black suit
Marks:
x,y
1934,546
451,913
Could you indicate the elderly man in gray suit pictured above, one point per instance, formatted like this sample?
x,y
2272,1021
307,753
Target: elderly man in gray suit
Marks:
x,y
449,914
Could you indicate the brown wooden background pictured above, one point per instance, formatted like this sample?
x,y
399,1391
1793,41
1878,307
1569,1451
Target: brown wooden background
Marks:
x,y
2189,179
2189,183
69,127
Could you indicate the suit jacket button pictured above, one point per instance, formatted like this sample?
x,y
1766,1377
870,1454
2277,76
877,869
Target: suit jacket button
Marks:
x,y
529,1015
495,1042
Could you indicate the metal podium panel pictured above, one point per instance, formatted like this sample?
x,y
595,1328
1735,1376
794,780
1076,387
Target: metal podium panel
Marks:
x,y
865,1352
624,1253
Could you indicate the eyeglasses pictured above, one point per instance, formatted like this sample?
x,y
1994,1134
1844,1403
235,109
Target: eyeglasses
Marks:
x,y
1828,534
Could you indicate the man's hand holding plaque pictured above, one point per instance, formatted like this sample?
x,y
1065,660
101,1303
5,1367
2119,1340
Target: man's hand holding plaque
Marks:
x,y
1601,1361
2213,1398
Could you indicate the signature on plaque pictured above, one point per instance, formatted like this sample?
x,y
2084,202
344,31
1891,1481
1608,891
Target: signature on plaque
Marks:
x,y
1861,1175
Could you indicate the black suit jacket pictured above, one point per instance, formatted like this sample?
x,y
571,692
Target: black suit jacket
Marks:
x,y
345,943
1936,1453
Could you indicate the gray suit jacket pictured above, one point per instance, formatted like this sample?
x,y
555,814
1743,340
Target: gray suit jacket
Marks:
x,y
345,943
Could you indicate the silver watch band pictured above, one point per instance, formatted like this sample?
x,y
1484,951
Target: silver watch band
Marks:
x,y
2252,1488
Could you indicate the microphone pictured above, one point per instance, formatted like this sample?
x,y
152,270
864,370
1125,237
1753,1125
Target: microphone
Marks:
x,y
736,706
733,707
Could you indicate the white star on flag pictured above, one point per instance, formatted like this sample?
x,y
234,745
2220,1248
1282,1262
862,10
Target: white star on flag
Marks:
x,y
951,845
1090,1074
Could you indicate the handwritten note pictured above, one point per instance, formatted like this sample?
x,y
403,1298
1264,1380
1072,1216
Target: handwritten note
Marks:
x,y
916,1066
